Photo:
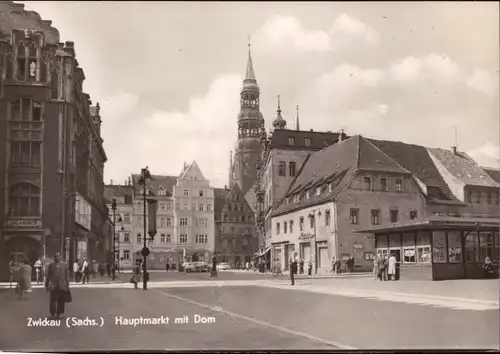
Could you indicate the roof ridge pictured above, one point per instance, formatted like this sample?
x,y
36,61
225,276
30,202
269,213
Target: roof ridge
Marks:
x,y
357,151
383,153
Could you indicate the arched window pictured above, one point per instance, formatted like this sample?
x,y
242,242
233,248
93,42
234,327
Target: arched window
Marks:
x,y
24,200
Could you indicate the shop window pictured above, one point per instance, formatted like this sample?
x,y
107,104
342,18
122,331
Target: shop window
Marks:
x,y
24,200
369,256
471,247
423,254
382,241
485,246
439,247
454,247
383,252
409,255
354,216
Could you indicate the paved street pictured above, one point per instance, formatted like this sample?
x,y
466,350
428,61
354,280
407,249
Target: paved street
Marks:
x,y
249,314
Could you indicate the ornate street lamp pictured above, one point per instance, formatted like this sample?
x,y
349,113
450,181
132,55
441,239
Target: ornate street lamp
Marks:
x,y
113,207
145,175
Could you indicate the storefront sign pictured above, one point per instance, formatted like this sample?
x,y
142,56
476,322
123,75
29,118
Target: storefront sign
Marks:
x,y
358,245
24,222
305,236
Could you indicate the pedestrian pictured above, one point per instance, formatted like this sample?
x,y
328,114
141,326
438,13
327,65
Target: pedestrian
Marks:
x,y
309,268
352,264
338,265
333,264
23,277
375,268
76,271
386,267
293,270
136,276
167,266
108,269
85,269
38,270
57,282
95,269
11,273
392,267
301,266
381,267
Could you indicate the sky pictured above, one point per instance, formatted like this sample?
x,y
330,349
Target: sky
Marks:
x,y
168,74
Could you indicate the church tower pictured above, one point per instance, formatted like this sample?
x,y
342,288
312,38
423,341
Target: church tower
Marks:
x,y
250,129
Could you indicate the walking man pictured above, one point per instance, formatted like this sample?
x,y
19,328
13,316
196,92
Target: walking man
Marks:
x,y
38,270
293,270
85,270
76,271
57,282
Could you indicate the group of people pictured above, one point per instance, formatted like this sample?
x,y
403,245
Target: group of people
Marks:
x,y
82,270
56,279
384,267
340,265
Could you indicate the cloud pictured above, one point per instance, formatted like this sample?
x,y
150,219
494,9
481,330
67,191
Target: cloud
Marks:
x,y
383,109
346,30
487,155
118,105
432,66
482,80
163,140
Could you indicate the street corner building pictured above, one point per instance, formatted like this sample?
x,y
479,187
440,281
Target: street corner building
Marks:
x,y
51,175
185,219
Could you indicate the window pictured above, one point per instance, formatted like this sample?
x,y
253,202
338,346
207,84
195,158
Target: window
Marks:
x,y
291,225
354,216
394,215
409,255
186,193
496,198
177,206
193,207
24,200
209,207
168,207
186,207
126,218
485,246
291,141
183,222
291,168
375,217
318,191
423,247
54,85
277,228
488,198
282,168
413,214
162,238
301,223
471,247
126,237
439,247
201,193
399,185
242,218
162,206
21,63
162,222
201,239
183,238
327,217
454,247
308,141
126,255
383,184
140,220
32,61
369,256
139,238
285,227
478,197
368,183
169,222
25,153
168,238
200,207
312,221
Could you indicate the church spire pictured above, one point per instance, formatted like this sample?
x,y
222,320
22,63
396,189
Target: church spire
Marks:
x,y
250,75
279,122
297,125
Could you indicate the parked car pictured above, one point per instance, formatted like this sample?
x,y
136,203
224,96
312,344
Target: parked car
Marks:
x,y
223,266
189,267
201,266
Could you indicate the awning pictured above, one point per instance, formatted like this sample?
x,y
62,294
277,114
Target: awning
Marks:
x,y
260,254
436,223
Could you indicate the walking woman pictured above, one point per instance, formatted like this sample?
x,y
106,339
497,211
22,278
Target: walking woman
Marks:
x,y
23,278
136,277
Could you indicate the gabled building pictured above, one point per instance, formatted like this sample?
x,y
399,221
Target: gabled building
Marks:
x,y
283,153
185,225
52,154
336,192
235,237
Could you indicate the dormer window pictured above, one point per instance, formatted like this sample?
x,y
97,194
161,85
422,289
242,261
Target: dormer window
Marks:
x,y
308,141
368,183
291,141
399,185
318,191
330,187
308,194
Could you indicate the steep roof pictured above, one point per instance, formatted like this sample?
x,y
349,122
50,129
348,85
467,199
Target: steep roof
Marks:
x,y
337,164
112,191
167,182
463,167
192,172
220,195
319,140
416,159
493,173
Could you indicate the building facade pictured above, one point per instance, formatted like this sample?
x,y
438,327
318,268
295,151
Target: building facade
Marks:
x,y
235,238
185,224
53,158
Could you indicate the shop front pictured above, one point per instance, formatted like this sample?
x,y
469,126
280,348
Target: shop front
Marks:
x,y
440,248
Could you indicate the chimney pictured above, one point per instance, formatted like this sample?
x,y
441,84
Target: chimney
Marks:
x,y
225,187
454,150
129,181
341,135
111,181
311,130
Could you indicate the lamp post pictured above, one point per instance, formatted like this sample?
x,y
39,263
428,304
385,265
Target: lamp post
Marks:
x,y
113,207
312,216
145,175
119,241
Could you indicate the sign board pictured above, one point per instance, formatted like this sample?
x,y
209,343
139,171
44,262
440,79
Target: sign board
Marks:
x,y
358,245
305,236
24,222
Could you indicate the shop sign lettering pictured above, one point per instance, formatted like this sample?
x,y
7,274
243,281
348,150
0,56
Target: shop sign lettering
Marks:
x,y
305,236
23,222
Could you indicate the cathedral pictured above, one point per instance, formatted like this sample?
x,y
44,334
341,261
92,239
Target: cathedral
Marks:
x,y
250,129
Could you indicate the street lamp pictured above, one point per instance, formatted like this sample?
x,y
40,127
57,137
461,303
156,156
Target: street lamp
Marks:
x,y
113,207
145,175
119,258
312,216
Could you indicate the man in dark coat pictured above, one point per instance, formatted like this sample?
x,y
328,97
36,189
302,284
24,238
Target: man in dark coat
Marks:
x,y
57,282
293,270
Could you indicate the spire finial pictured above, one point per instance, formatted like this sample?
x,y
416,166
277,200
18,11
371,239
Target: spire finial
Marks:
x,y
250,73
279,122
297,125
249,43
279,108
